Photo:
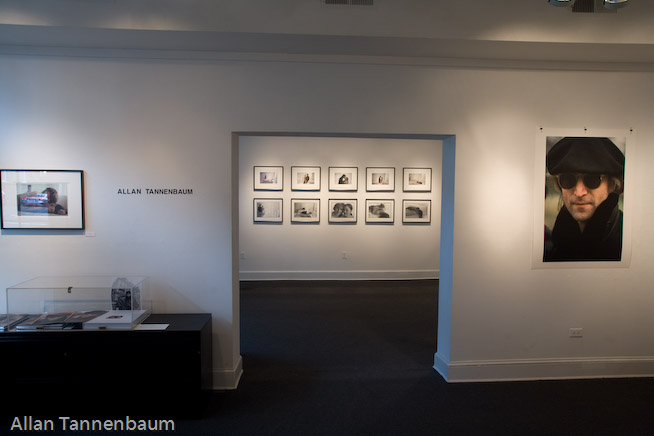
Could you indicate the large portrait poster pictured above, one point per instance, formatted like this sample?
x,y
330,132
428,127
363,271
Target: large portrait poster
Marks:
x,y
583,212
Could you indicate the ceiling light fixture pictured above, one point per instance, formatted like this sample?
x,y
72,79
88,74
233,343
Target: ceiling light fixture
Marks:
x,y
615,4
560,2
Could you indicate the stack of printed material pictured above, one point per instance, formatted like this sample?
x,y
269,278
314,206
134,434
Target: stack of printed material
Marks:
x,y
57,321
8,322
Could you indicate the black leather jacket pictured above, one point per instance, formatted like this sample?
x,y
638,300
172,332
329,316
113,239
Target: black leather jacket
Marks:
x,y
601,239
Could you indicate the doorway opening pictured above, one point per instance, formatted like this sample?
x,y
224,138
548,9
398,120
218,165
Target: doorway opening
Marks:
x,y
327,258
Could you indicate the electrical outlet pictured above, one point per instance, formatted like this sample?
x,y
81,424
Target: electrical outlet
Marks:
x,y
576,332
243,256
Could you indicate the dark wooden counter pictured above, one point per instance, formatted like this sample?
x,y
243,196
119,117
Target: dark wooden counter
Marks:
x,y
113,371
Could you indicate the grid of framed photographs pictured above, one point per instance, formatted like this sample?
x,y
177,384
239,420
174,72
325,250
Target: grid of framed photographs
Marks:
x,y
343,209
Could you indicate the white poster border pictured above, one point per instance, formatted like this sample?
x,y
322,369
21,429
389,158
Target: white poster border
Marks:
x,y
538,240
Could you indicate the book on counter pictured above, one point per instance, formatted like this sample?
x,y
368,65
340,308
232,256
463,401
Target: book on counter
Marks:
x,y
57,321
116,320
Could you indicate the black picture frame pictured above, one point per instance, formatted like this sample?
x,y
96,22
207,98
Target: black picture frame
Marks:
x,y
380,211
269,178
305,210
305,178
415,211
42,199
342,210
268,210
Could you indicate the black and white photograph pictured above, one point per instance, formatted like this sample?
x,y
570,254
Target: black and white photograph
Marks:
x,y
584,201
305,210
380,211
268,178
342,210
416,211
380,179
42,199
267,210
343,178
305,178
417,180
125,295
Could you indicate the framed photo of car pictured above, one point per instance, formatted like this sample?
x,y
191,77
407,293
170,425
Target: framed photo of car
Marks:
x,y
305,178
380,179
380,211
342,210
305,210
417,180
416,211
42,199
268,210
268,178
343,178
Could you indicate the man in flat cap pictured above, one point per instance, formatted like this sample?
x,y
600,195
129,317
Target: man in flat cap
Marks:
x,y
589,173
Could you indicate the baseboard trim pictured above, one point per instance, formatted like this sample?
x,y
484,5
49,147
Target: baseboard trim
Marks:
x,y
440,365
340,275
228,379
544,369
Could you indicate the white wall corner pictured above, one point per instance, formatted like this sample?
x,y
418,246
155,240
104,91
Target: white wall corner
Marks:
x,y
228,379
441,366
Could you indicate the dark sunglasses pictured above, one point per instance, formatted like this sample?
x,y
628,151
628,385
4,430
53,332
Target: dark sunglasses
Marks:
x,y
569,180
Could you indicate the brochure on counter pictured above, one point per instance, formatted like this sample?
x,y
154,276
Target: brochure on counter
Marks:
x,y
116,320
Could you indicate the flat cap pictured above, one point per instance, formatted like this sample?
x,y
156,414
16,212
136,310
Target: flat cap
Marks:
x,y
585,155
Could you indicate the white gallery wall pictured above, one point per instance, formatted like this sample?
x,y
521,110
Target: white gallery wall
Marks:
x,y
132,123
324,250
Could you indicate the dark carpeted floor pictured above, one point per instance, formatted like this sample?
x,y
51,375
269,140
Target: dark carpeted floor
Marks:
x,y
355,358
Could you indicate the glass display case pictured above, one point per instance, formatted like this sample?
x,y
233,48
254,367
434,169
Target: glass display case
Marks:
x,y
76,303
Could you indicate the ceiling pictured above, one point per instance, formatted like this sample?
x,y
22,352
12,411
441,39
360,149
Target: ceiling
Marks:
x,y
515,33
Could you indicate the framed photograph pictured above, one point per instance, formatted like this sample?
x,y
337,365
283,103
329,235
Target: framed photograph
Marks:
x,y
42,199
268,178
380,211
583,194
416,211
380,179
343,178
305,178
268,210
584,203
343,210
305,210
417,180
